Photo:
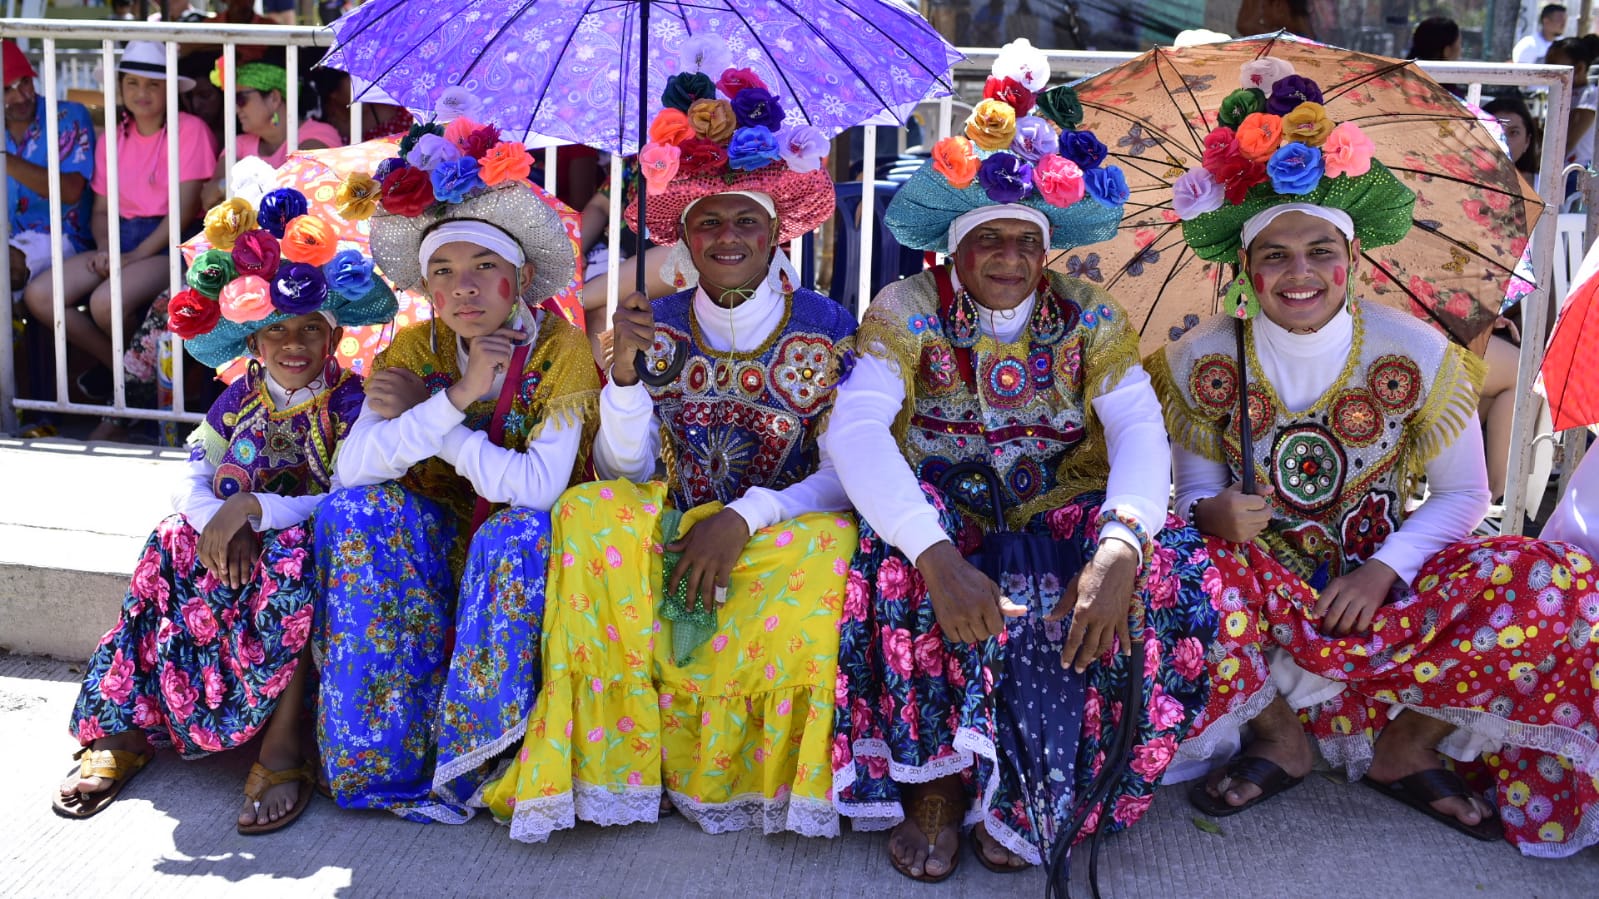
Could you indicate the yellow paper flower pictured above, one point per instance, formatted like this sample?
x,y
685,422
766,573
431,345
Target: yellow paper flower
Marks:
x,y
357,198
1308,124
227,220
713,120
992,125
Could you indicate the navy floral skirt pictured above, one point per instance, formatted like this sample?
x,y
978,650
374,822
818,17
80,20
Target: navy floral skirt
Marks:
x,y
913,707
192,663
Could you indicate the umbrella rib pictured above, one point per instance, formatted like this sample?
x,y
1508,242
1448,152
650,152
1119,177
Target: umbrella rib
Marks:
x,y
373,82
830,46
903,14
1415,300
1158,134
544,89
1344,87
1441,176
1160,58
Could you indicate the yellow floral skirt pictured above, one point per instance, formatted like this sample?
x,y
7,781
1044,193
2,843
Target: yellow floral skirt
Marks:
x,y
739,736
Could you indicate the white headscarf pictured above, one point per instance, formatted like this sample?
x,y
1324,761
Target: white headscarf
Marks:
x,y
966,222
680,261
1336,217
480,234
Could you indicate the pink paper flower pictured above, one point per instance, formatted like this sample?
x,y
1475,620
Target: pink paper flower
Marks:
x,y
1058,179
246,300
659,163
1348,151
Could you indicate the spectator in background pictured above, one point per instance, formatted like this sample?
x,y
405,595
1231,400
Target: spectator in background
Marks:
x,y
146,223
1579,53
1532,48
263,121
1261,16
333,98
28,175
1437,38
281,12
1523,136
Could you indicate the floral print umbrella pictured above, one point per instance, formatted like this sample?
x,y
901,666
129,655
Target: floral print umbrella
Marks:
x,y
1473,213
318,174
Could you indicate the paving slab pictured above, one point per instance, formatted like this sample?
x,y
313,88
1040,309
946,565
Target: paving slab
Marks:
x,y
171,835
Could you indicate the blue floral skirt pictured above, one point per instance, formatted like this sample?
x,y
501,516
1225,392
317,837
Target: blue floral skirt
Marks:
x,y
914,707
423,684
192,663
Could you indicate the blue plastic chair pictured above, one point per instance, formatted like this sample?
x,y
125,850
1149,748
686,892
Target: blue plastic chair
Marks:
x,y
890,261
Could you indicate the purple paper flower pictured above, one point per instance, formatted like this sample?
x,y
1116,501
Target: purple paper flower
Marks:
x,y
1295,169
299,288
430,150
1005,178
1289,92
1196,193
804,148
1034,139
752,148
1083,148
756,106
392,164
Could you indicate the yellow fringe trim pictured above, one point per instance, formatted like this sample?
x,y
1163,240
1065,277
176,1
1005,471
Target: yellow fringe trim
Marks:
x,y
1450,407
1200,436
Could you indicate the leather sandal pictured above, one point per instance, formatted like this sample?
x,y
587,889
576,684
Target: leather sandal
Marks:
x,y
262,779
933,814
1263,773
1422,789
117,765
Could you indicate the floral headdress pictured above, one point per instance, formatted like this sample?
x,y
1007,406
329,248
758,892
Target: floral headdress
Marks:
x,y
1276,144
702,144
1022,145
267,265
455,168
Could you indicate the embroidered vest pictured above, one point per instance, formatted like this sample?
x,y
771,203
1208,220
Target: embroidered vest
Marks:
x,y
732,421
559,383
1022,407
1342,469
287,452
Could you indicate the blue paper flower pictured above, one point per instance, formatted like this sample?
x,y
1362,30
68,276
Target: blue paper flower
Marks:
x,y
299,288
349,273
1107,185
752,148
1005,178
756,106
1083,148
453,179
1295,169
278,208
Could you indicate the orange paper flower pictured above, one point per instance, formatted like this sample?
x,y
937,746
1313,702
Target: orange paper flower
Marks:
x,y
671,127
713,120
308,239
458,130
1259,136
505,161
1308,124
954,158
992,125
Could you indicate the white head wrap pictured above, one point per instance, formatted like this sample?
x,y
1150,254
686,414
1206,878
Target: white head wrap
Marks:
x,y
680,261
966,222
1336,217
478,233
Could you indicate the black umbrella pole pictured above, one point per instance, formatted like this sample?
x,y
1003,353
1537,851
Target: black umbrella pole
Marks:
x,y
1245,439
640,363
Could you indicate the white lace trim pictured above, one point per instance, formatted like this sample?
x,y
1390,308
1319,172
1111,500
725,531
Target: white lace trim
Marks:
x,y
533,820
1586,834
806,817
1225,733
463,764
435,811
1488,729
968,745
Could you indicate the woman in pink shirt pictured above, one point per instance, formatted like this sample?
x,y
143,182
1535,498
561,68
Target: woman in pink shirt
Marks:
x,y
263,122
145,223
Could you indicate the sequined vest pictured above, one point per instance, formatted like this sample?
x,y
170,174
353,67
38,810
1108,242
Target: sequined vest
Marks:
x,y
1023,407
1343,468
559,383
289,452
731,421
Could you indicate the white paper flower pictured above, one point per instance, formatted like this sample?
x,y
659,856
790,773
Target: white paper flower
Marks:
x,y
804,148
1020,60
453,103
706,53
1264,73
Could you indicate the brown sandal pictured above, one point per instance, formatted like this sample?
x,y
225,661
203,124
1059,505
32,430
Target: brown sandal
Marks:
x,y
117,765
933,813
262,779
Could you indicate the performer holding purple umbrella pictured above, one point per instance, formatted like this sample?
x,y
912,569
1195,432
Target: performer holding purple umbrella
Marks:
x,y
990,359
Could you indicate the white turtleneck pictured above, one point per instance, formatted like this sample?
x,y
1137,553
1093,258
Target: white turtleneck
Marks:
x,y
886,492
1576,519
629,441
378,450
1301,367
195,495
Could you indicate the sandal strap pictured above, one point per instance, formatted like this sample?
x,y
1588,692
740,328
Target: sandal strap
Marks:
x,y
1262,772
263,778
933,813
112,764
1433,784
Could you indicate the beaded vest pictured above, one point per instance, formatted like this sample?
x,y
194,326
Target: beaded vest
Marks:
x,y
1023,407
559,383
735,420
1343,468
288,452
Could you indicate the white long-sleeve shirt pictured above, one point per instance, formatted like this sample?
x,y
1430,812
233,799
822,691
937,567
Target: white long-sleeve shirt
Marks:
x,y
886,492
1576,519
194,495
1301,367
629,441
378,449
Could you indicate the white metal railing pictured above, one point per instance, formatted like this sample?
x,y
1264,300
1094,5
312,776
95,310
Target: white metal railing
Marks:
x,y
1066,64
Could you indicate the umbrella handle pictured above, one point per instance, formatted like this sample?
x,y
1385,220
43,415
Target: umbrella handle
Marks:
x,y
990,477
665,376
1246,440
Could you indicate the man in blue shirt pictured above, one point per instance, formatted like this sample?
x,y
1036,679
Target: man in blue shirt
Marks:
x,y
28,178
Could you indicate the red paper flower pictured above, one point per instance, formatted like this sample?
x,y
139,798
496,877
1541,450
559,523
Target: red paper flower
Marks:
x,y
1009,90
701,155
192,313
407,192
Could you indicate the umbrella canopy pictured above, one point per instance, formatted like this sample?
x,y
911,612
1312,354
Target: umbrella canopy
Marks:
x,y
571,69
1473,211
1571,383
318,174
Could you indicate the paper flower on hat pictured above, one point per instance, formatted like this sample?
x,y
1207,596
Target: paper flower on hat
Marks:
x,y
192,313
1020,61
659,163
704,53
439,166
455,102
804,148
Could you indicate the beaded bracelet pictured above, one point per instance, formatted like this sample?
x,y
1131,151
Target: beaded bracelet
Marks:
x,y
1146,550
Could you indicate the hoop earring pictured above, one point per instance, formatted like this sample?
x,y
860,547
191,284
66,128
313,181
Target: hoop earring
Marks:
x,y
276,120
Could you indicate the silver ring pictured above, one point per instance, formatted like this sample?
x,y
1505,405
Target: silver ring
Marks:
x,y
720,594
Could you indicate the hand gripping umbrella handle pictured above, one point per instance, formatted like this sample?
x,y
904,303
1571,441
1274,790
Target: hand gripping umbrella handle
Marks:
x,y
641,367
